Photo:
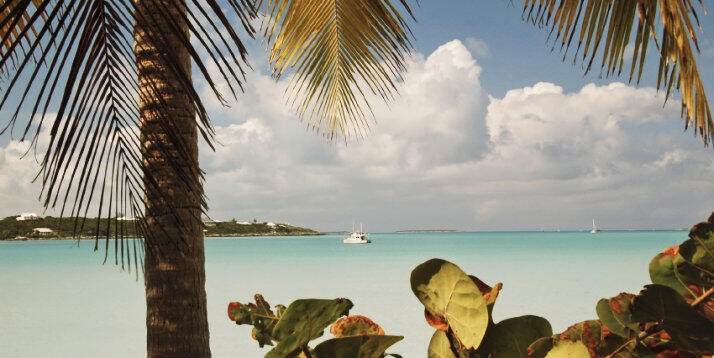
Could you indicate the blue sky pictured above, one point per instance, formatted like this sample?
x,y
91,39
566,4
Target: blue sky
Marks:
x,y
520,53
491,132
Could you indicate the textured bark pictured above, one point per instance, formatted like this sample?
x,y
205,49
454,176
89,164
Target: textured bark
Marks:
x,y
176,319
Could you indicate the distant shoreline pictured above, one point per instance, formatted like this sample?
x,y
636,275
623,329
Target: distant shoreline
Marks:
x,y
13,228
67,238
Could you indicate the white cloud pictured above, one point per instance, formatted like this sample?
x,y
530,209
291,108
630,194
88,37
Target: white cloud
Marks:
x,y
478,47
17,192
445,154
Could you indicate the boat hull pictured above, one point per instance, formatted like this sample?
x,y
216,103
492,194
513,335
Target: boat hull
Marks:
x,y
348,241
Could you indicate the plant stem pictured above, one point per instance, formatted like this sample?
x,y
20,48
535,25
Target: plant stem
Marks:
x,y
264,316
703,297
656,328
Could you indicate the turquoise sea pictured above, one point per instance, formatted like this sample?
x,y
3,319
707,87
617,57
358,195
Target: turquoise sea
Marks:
x,y
57,300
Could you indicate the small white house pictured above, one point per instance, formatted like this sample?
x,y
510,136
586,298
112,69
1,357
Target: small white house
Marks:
x,y
124,218
27,217
209,222
244,223
43,231
270,224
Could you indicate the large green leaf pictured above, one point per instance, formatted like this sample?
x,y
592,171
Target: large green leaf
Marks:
x,y
366,346
568,349
540,347
672,270
607,317
305,320
699,249
510,338
440,346
621,310
449,294
663,305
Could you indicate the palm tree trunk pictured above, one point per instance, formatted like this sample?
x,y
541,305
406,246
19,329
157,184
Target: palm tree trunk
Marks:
x,y
176,319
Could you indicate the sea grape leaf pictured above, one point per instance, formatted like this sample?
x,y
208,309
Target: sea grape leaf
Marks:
x,y
305,320
540,347
568,349
511,338
686,327
462,352
598,341
354,326
490,294
440,346
435,321
362,346
621,310
607,317
596,338
261,336
449,294
258,315
699,249
657,341
670,269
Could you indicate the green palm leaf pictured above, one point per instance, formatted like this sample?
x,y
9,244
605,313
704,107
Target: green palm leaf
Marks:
x,y
340,50
77,58
607,27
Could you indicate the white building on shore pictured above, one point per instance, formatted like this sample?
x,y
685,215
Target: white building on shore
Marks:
x,y
43,231
27,217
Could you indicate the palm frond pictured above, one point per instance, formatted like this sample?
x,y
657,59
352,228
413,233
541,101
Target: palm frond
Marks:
x,y
340,50
610,24
77,58
15,17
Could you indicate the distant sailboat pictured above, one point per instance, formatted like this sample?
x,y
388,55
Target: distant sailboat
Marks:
x,y
594,229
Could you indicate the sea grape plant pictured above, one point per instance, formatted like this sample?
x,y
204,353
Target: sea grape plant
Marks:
x,y
671,318
290,329
459,306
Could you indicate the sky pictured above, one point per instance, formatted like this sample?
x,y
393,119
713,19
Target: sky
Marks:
x,y
491,131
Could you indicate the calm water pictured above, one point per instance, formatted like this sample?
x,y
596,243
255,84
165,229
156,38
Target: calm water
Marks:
x,y
57,300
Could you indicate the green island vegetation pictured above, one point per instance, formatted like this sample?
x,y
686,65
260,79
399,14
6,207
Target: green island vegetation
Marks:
x,y
671,317
64,228
234,228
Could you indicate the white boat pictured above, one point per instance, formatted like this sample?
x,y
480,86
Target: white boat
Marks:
x,y
357,237
594,229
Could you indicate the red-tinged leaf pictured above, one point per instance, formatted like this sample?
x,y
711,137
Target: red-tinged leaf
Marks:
x,y
233,309
435,321
355,326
